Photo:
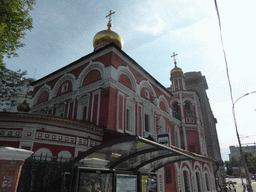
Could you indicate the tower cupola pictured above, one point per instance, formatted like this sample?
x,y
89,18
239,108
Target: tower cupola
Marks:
x,y
177,77
108,36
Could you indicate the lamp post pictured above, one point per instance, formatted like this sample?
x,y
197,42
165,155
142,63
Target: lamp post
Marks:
x,y
248,180
241,139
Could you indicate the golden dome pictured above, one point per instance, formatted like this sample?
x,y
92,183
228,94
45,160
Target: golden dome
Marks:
x,y
23,107
106,37
176,71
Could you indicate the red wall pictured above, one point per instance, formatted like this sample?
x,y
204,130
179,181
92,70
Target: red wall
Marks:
x,y
91,77
193,141
68,90
112,109
104,102
43,97
125,80
171,186
14,144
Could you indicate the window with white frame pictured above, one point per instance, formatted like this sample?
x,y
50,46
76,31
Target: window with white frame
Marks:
x,y
177,137
147,123
198,182
64,156
83,108
130,116
43,153
188,109
60,110
161,126
207,182
186,181
64,87
128,119
175,110
147,95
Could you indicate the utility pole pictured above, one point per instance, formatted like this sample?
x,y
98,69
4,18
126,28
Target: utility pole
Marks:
x,y
248,179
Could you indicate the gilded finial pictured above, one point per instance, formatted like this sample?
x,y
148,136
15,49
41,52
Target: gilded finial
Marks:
x,y
176,70
175,63
109,22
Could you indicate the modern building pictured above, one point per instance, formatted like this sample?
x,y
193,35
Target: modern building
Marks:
x,y
106,94
235,150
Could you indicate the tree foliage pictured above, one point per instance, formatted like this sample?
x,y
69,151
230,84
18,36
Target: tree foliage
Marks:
x,y
14,22
10,85
252,160
232,163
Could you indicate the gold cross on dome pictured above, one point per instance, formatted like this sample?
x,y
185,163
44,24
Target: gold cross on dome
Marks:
x,y
174,58
109,15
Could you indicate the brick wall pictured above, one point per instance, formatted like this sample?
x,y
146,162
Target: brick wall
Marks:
x,y
11,161
9,175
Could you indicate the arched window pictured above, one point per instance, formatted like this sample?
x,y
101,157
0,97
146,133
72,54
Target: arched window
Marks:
x,y
188,109
186,181
198,182
60,110
207,182
64,156
43,154
177,137
175,110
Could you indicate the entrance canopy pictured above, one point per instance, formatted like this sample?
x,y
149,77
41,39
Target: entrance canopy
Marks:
x,y
133,153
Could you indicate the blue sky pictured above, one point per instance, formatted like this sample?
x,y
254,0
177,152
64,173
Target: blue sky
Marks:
x,y
152,31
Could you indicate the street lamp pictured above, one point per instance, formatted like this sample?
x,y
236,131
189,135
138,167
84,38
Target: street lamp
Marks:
x,y
240,146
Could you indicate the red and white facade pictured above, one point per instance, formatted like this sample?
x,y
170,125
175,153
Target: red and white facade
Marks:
x,y
110,90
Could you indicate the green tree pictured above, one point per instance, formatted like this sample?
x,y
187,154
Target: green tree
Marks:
x,y
14,22
229,167
252,160
10,84
232,163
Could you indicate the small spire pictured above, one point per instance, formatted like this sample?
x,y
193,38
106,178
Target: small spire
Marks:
x,y
175,63
109,22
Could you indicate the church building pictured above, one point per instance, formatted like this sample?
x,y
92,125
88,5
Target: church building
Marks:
x,y
107,91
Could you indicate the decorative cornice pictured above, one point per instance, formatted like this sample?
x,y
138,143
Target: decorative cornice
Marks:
x,y
9,115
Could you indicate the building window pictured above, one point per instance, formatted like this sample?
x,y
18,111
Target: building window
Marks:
x,y
177,137
175,110
64,156
60,110
186,181
147,94
161,126
188,109
64,87
83,108
130,116
207,182
147,128
50,111
43,154
85,113
198,181
168,173
128,120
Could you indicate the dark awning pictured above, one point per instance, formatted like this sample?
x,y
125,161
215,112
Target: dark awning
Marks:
x,y
133,153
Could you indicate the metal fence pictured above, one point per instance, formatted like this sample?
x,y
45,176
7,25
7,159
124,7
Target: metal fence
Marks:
x,y
39,171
